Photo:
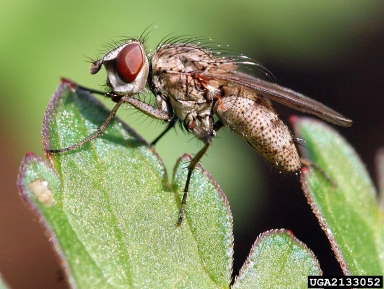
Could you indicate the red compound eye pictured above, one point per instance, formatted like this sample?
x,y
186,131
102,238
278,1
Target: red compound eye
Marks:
x,y
129,62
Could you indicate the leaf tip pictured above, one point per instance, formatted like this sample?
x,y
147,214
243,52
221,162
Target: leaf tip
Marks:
x,y
34,178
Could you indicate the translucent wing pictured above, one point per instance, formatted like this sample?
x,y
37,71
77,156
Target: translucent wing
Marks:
x,y
286,97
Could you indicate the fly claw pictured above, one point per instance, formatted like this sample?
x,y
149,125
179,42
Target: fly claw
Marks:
x,y
192,85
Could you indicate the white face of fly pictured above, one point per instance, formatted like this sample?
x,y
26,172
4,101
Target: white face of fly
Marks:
x,y
126,66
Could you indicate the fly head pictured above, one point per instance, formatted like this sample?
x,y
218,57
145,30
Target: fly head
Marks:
x,y
127,68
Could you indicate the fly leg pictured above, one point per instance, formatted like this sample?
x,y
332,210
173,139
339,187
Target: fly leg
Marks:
x,y
203,135
92,136
309,164
170,125
142,106
91,90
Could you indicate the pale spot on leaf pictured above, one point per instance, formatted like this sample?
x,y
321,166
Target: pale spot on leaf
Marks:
x,y
42,193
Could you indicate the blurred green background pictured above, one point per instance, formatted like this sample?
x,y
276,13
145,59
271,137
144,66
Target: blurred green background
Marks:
x,y
329,50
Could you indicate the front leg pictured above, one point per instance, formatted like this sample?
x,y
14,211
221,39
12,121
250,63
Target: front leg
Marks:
x,y
146,108
99,132
142,106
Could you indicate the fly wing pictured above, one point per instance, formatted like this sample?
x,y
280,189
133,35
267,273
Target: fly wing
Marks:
x,y
286,97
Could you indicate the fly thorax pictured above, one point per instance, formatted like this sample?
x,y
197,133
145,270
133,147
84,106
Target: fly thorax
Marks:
x,y
174,66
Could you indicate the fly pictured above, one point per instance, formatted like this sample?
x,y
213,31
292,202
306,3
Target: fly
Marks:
x,y
192,84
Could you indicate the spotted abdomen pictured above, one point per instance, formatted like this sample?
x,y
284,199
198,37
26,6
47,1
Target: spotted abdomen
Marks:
x,y
254,119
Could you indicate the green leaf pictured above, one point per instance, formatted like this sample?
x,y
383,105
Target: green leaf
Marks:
x,y
3,284
348,210
111,213
277,260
